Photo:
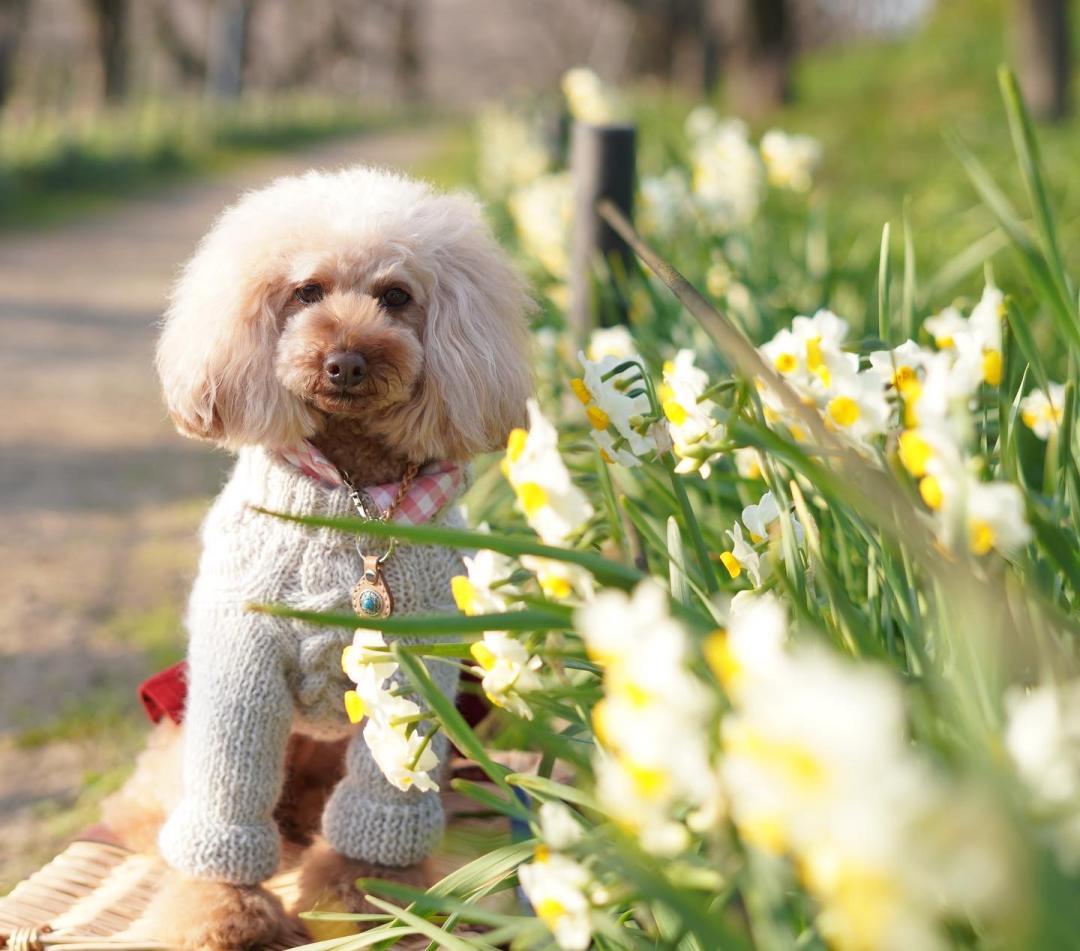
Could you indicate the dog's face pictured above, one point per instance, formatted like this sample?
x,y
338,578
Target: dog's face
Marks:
x,y
355,293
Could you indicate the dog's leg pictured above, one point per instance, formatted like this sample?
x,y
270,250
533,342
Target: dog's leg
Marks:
x,y
135,813
373,829
221,838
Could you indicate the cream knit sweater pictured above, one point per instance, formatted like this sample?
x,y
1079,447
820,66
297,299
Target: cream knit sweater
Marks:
x,y
253,678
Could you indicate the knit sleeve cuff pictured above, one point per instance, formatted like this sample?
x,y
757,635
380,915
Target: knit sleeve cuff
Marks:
x,y
397,834
202,848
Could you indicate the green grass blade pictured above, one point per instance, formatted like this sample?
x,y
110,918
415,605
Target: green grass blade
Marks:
x,y
432,624
605,571
884,281
452,721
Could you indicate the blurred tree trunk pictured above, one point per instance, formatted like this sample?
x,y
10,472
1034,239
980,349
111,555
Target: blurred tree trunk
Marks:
x,y
12,25
671,42
1042,50
408,72
112,19
190,61
759,54
227,51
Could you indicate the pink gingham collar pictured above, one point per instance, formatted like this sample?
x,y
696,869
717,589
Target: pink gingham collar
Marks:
x,y
436,485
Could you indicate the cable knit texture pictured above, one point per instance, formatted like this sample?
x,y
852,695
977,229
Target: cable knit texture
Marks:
x,y
253,678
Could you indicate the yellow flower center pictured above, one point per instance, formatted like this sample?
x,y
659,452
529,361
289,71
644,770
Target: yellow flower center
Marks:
x,y
843,411
556,586
354,706
786,362
466,597
483,654
674,411
601,722
720,659
515,444
550,911
991,366
930,490
945,342
766,833
598,418
648,781
915,452
607,458
533,497
813,353
581,391
733,565
982,536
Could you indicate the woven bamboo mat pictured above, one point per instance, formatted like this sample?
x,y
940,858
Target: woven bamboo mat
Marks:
x,y
89,896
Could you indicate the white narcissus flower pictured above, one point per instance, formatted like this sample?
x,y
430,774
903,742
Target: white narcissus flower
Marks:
x,y
1042,736
790,160
749,463
541,212
507,671
752,646
553,505
856,406
901,368
742,557
587,97
512,151
759,518
995,517
405,758
665,203
945,326
475,593
555,886
1042,412
611,342
650,696
931,455
810,354
728,175
559,579
558,827
689,414
611,408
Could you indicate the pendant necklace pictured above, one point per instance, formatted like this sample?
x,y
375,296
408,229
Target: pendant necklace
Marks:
x,y
371,597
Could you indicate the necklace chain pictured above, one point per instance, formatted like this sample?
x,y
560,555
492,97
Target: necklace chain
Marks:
x,y
358,500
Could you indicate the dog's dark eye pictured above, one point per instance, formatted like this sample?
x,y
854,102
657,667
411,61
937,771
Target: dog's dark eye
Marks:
x,y
309,293
395,297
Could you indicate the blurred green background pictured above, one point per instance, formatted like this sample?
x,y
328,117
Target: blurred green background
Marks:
x,y
125,125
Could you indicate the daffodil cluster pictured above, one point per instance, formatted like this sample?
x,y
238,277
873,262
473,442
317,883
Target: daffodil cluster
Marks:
x,y
397,731
654,775
817,767
620,413
750,553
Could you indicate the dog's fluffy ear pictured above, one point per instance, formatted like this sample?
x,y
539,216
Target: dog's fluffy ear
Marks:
x,y
477,346
215,355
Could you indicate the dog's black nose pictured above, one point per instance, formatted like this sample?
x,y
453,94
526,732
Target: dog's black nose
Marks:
x,y
345,369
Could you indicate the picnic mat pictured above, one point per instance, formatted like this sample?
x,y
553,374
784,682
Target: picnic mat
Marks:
x,y
89,896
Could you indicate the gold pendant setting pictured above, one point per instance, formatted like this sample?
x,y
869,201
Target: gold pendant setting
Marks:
x,y
371,597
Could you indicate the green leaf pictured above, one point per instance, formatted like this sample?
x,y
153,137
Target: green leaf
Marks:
x,y
429,624
549,789
605,571
452,721
428,930
1027,153
884,282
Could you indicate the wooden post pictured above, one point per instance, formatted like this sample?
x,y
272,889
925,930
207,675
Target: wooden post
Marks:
x,y
1041,44
602,166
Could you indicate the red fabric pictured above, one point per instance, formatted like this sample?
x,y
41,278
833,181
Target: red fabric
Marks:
x,y
163,695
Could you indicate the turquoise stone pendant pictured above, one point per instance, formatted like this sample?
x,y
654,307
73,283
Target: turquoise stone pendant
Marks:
x,y
371,598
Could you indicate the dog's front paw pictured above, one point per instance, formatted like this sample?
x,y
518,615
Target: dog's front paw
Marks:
x,y
328,883
195,915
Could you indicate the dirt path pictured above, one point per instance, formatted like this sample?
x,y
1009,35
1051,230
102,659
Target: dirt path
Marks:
x,y
99,499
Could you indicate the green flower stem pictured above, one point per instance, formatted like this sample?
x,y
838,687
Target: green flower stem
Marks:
x,y
701,550
420,749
